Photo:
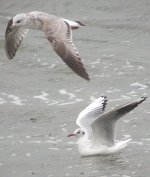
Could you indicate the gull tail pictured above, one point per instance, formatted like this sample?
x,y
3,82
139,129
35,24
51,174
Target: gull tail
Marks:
x,y
74,24
121,144
78,25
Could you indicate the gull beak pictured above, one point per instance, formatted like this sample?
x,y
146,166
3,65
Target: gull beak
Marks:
x,y
71,135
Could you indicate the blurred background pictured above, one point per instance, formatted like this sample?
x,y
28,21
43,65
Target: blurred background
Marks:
x,y
40,97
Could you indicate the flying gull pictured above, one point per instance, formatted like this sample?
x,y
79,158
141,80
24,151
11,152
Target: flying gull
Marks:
x,y
57,30
97,127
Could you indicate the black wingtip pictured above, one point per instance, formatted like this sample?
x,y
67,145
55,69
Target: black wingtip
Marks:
x,y
87,79
143,98
80,23
105,102
83,74
8,29
84,77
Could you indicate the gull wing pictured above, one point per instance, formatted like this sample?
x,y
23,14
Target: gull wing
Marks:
x,y
103,128
90,113
61,38
13,39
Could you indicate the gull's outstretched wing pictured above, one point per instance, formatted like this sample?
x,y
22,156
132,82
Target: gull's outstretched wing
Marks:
x,y
61,38
103,128
13,39
90,113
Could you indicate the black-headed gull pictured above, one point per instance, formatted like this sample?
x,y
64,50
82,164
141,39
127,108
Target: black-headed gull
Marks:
x,y
97,128
57,30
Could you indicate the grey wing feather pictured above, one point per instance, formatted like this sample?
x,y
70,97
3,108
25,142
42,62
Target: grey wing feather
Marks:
x,y
103,128
13,39
90,113
64,47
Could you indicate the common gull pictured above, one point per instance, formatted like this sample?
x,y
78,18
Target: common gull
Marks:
x,y
57,30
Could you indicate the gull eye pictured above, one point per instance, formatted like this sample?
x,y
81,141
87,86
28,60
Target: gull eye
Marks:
x,y
18,21
78,132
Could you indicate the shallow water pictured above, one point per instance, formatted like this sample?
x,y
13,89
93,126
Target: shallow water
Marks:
x,y
40,98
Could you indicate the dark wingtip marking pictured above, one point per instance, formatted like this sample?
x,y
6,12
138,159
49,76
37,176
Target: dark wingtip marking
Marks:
x,y
80,23
8,29
130,107
143,98
105,102
88,78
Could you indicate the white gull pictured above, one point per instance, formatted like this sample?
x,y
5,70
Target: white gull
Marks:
x,y
97,128
57,30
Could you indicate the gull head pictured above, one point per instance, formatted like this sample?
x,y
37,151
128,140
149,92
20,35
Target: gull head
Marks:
x,y
78,133
19,20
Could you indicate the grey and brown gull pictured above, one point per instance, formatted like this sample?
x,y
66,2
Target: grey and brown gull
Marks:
x,y
57,30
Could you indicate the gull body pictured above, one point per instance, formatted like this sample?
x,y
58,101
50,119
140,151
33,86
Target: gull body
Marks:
x,y
57,30
96,132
